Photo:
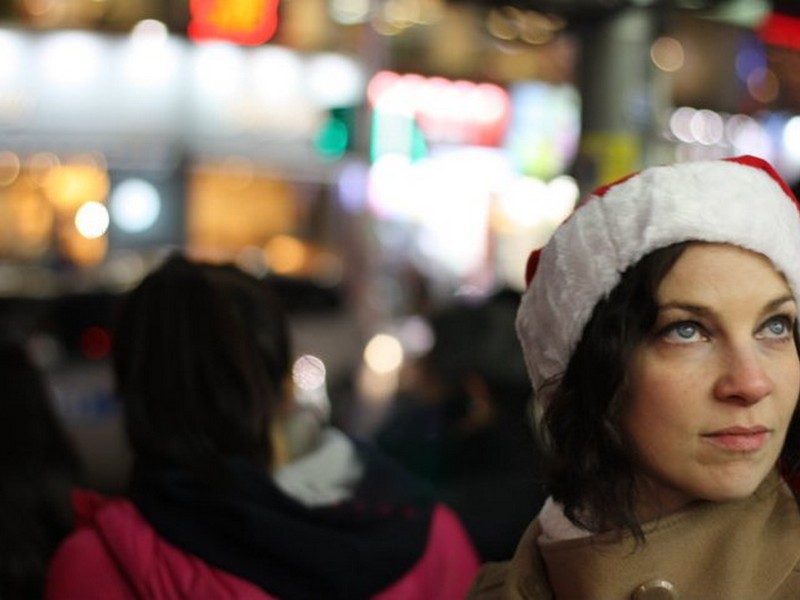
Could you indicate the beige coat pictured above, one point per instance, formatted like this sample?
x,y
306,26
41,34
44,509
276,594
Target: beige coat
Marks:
x,y
741,550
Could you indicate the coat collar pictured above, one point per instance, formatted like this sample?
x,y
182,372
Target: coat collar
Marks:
x,y
741,549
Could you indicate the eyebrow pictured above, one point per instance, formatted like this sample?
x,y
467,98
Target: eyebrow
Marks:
x,y
708,312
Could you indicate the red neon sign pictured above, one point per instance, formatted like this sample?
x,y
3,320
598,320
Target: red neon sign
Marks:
x,y
247,22
446,111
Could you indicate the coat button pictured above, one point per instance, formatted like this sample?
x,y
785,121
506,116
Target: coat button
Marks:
x,y
656,589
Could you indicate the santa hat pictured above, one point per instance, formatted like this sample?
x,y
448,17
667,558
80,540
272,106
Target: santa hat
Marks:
x,y
781,27
740,201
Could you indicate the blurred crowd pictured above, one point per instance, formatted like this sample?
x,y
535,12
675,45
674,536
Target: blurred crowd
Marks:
x,y
235,488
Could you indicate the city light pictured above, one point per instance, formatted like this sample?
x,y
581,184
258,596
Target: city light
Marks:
x,y
308,372
383,354
218,68
71,59
10,166
134,205
91,220
248,22
285,254
11,49
334,80
309,377
150,59
667,54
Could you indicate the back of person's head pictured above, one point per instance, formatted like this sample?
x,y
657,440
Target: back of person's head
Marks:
x,y
477,338
500,358
38,467
189,373
262,314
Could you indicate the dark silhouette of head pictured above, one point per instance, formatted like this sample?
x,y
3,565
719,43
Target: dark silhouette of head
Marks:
x,y
198,375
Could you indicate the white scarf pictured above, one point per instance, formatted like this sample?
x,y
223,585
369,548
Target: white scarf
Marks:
x,y
326,474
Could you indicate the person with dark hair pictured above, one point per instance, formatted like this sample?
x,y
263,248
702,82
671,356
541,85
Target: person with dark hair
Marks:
x,y
235,491
38,469
659,328
464,424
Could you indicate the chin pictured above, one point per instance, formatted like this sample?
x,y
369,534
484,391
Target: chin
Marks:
x,y
732,486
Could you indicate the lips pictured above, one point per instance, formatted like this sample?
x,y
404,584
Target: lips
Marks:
x,y
739,439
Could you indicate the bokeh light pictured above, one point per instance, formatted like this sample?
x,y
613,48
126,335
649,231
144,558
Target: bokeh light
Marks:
x,y
667,54
308,372
135,205
383,353
91,220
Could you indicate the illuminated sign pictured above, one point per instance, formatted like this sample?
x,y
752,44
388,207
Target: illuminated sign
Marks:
x,y
545,128
248,22
444,111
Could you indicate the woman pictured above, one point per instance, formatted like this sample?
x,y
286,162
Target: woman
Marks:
x,y
236,494
660,332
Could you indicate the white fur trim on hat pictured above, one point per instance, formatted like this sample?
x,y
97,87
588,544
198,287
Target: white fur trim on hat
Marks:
x,y
738,201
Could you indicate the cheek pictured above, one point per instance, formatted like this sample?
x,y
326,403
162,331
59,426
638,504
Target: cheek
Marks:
x,y
794,370
789,377
658,403
784,371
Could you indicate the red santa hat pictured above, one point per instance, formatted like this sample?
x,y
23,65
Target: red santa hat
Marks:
x,y
740,201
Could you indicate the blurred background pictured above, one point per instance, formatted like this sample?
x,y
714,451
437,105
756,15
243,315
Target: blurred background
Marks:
x,y
373,158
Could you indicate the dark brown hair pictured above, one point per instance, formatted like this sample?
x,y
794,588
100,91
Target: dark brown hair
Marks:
x,y
189,372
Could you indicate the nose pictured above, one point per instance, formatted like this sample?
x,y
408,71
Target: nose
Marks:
x,y
743,379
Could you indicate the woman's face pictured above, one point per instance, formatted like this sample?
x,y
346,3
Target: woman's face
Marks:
x,y
713,387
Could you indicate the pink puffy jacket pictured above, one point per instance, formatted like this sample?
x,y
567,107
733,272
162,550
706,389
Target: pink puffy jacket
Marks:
x,y
115,554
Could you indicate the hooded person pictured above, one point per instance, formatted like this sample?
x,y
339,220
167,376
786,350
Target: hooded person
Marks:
x,y
236,490
659,329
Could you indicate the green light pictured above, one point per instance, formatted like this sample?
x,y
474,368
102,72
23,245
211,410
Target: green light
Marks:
x,y
333,138
396,134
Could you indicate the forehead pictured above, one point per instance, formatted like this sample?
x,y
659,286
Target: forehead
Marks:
x,y
721,270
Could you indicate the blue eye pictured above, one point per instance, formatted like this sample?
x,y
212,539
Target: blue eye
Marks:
x,y
682,332
778,327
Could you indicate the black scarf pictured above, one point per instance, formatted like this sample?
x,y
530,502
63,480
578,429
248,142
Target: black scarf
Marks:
x,y
350,550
